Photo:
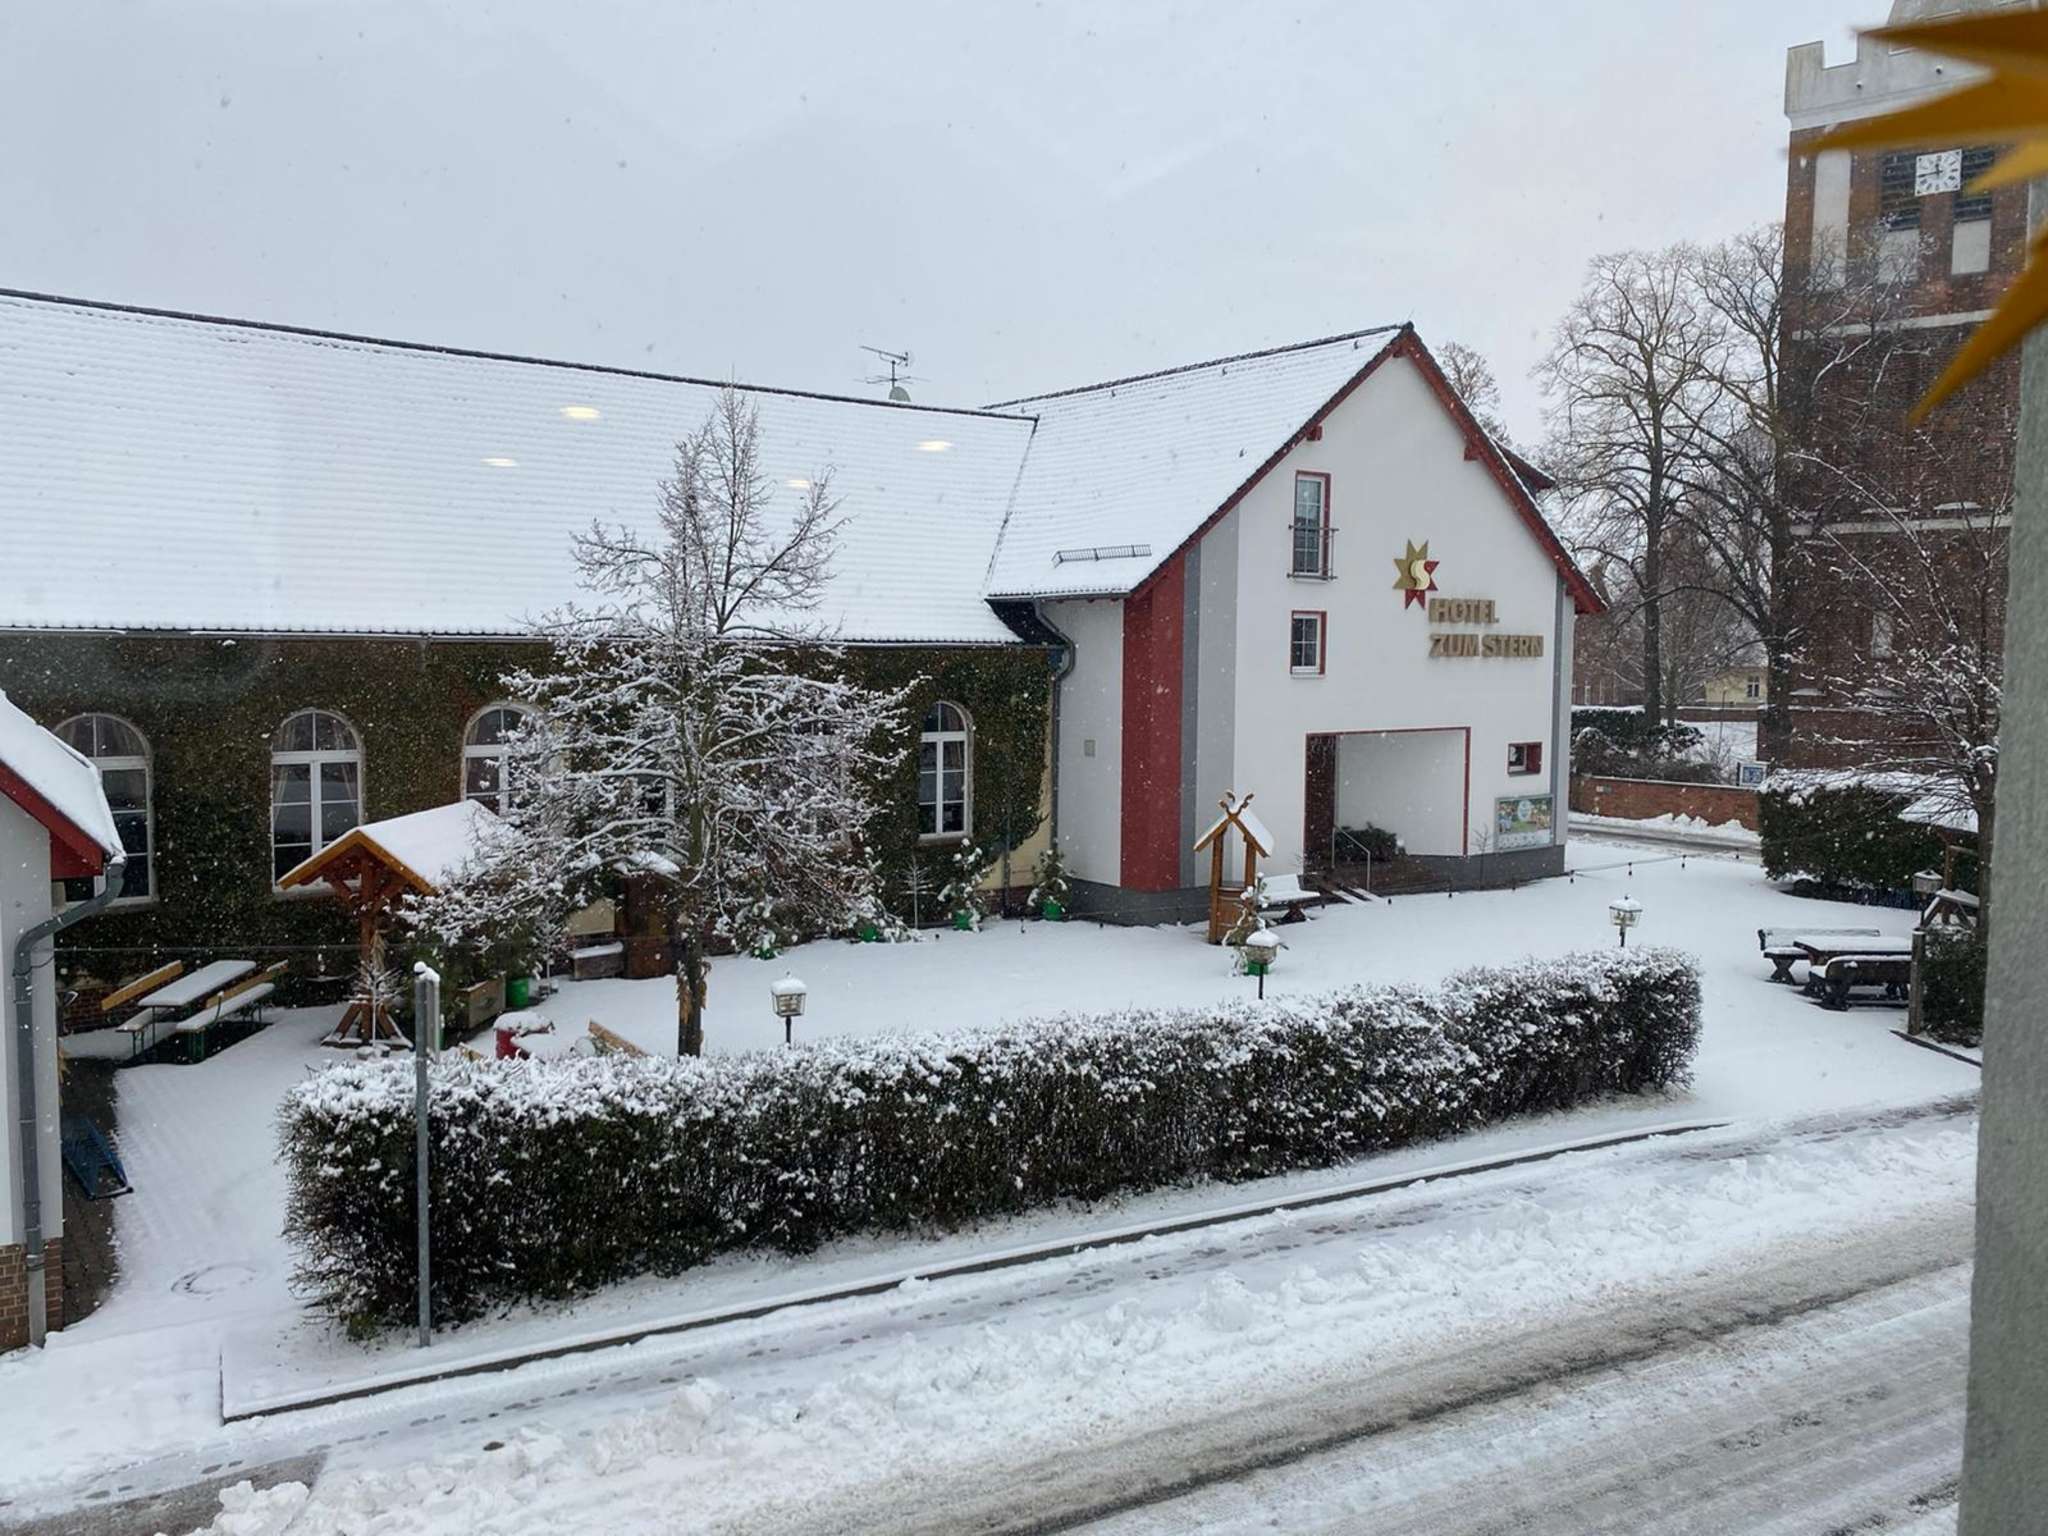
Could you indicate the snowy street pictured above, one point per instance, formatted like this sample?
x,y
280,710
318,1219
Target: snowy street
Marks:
x,y
1699,1312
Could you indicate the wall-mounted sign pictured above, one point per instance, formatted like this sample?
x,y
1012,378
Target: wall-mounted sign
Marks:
x,y
1522,821
1464,643
1417,578
1462,610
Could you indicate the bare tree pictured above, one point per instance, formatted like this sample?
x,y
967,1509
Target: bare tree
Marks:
x,y
1799,374
695,727
1468,372
1622,382
1920,684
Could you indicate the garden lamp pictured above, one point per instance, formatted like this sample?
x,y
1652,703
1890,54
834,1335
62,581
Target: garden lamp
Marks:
x,y
1626,912
788,995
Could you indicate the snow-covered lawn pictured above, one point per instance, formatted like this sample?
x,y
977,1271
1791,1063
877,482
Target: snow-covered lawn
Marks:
x,y
202,1256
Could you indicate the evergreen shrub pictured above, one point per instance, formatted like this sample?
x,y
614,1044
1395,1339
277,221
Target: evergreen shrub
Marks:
x,y
1952,986
1843,834
550,1178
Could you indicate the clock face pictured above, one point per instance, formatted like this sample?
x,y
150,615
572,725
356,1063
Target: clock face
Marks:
x,y
1942,172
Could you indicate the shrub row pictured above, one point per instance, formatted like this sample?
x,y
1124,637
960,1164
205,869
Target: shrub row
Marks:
x,y
551,1178
1845,834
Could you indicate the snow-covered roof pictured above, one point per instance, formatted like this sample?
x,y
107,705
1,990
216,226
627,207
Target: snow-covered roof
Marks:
x,y
36,767
431,845
1120,474
177,472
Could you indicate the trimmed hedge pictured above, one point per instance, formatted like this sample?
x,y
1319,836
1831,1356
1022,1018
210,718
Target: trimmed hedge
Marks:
x,y
1847,835
551,1178
1952,986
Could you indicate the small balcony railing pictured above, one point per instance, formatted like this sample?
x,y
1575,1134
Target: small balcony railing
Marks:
x,y
1311,555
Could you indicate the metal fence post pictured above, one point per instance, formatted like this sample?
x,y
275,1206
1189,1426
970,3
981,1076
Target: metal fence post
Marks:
x,y
426,1030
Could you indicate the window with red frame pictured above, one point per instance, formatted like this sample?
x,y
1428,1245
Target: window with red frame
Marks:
x,y
1525,757
1305,644
1311,526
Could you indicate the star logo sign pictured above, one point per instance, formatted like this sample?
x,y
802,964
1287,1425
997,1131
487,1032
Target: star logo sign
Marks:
x,y
1418,574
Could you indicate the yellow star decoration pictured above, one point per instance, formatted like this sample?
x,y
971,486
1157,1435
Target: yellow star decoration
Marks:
x,y
2011,107
1418,574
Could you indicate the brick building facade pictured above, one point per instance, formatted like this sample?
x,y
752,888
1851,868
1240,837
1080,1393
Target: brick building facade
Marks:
x,y
1889,263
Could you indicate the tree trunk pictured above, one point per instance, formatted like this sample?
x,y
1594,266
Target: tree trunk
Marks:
x,y
689,992
1653,628
1774,721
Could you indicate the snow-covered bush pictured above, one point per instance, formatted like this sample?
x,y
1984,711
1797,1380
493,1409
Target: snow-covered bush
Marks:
x,y
964,897
1845,829
1049,879
553,1177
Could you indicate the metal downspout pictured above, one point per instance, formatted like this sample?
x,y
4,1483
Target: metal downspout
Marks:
x,y
25,1070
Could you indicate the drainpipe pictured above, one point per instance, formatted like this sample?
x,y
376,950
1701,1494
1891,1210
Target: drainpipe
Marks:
x,y
25,1070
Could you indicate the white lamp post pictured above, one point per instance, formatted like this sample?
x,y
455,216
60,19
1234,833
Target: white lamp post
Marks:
x,y
1626,912
788,995
1260,946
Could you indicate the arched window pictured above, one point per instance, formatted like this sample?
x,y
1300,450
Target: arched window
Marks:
x,y
316,786
945,776
121,754
485,746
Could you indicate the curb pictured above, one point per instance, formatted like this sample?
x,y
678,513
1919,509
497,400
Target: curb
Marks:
x,y
984,1264
1939,1050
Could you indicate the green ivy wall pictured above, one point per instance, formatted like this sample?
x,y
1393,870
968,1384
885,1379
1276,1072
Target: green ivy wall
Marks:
x,y
208,705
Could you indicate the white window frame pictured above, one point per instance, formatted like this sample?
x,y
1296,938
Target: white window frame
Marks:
x,y
1322,623
314,758
474,751
125,762
938,740
1296,527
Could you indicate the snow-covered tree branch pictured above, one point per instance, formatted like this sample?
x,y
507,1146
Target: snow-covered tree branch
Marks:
x,y
695,727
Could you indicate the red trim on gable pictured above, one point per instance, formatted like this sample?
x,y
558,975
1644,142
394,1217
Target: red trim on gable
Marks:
x,y
1477,446
74,854
1153,620
1481,447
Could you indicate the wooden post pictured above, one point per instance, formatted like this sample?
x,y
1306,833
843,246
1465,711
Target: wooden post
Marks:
x,y
1913,988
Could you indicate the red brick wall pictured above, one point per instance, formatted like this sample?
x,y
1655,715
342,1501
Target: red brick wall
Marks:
x,y
1640,799
1153,620
14,1292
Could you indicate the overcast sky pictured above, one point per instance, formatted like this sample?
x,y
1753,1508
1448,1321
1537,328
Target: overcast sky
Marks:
x,y
1026,196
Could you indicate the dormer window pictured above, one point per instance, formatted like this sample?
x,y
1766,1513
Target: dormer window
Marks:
x,y
1311,526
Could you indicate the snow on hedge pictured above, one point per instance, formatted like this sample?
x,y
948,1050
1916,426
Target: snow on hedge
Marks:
x,y
550,1178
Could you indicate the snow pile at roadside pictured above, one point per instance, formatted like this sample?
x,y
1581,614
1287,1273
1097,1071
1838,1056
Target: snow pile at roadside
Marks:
x,y
1317,1303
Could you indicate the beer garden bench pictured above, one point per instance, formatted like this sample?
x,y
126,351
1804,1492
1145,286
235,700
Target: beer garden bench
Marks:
x,y
1780,946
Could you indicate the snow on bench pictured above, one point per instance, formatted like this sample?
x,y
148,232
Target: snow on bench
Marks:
x,y
226,1008
1778,946
1287,891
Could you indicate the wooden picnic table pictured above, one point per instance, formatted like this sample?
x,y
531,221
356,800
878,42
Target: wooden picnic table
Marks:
x,y
197,986
1821,948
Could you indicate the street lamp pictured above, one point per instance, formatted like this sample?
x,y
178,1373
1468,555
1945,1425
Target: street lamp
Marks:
x,y
788,995
1260,946
1626,912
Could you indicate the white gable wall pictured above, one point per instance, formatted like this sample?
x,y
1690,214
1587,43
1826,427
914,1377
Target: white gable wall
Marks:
x,y
1091,764
1398,471
25,902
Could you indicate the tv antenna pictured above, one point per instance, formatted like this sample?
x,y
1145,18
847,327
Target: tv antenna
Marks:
x,y
899,373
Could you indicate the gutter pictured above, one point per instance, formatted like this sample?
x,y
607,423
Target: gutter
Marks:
x,y
25,1070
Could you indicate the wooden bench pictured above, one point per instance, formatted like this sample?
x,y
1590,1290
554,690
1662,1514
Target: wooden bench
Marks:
x,y
240,1007
1778,948
1844,973
1286,893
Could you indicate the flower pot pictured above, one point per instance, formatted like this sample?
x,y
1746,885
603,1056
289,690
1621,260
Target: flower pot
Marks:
x,y
964,921
1051,911
870,934
518,991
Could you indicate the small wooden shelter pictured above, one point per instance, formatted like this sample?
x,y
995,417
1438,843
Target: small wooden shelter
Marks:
x,y
374,867
1226,902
